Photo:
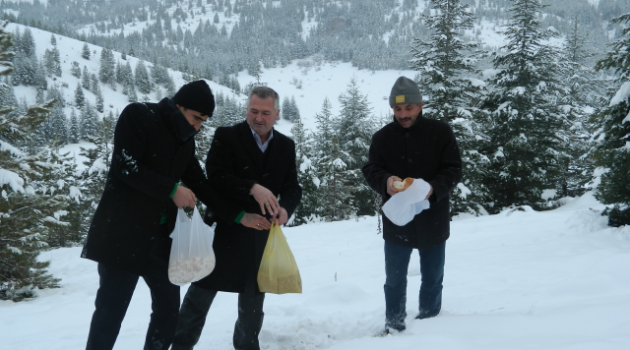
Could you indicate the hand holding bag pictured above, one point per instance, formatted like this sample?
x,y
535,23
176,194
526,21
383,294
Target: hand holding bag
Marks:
x,y
192,257
403,206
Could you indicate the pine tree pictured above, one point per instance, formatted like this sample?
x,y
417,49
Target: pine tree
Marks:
x,y
142,78
52,62
106,72
578,82
324,121
27,71
307,176
85,79
79,97
613,135
336,184
89,121
286,109
100,102
94,176
74,131
354,132
525,131
296,111
85,52
447,66
75,69
24,204
58,125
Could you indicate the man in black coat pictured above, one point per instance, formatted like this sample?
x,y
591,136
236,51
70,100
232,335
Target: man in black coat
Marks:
x,y
129,236
251,164
416,147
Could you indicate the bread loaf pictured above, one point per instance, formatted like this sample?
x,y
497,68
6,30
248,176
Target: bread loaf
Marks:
x,y
402,185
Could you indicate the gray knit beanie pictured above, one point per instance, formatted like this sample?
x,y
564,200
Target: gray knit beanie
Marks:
x,y
405,90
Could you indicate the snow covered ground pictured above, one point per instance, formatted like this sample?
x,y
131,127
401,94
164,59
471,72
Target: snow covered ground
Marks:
x,y
517,280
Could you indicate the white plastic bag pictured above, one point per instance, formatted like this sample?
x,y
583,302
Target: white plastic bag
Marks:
x,y
403,206
192,257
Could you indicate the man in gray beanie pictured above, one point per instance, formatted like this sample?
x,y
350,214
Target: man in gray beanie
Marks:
x,y
420,148
154,150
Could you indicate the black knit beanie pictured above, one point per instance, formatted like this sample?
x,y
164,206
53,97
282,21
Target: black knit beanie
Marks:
x,y
405,90
196,96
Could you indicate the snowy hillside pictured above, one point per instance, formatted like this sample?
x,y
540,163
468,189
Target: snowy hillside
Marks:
x,y
516,280
70,50
310,81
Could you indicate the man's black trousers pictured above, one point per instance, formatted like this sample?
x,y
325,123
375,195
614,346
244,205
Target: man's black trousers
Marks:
x,y
113,298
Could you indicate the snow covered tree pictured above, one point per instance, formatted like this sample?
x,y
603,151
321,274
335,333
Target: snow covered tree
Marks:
x,y
26,207
525,131
100,102
107,71
354,129
27,71
52,62
286,109
295,110
142,78
307,176
94,176
85,52
85,79
74,132
75,69
336,185
613,134
79,97
89,121
577,100
447,65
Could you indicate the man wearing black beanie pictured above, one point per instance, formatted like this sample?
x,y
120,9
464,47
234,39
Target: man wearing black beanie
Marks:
x,y
154,150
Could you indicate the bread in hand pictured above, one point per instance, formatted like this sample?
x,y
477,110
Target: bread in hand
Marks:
x,y
402,185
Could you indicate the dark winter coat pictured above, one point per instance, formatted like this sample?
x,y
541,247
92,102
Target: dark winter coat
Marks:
x,y
234,165
426,150
149,158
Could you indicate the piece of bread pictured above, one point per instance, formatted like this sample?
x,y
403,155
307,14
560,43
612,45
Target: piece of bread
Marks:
x,y
402,185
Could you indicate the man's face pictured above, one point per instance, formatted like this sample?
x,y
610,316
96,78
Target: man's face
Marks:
x,y
261,115
194,118
407,113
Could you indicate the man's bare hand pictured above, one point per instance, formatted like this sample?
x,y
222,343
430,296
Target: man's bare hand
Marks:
x,y
266,199
184,198
282,217
390,187
255,221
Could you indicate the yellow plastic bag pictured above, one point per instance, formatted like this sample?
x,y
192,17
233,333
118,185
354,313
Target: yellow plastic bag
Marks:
x,y
278,271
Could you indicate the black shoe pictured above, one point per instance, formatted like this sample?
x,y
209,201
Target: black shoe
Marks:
x,y
423,316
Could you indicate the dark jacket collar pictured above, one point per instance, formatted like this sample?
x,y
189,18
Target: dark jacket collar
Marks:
x,y
248,141
182,128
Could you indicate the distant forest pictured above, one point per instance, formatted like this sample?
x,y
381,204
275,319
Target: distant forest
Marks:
x,y
230,36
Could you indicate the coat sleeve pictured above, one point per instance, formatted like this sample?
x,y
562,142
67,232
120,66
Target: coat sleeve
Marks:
x,y
374,170
130,137
450,168
290,190
219,165
218,206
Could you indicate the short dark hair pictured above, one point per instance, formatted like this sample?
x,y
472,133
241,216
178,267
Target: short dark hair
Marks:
x,y
264,92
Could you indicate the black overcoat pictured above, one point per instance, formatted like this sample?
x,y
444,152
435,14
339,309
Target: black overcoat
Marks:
x,y
426,150
149,157
234,164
